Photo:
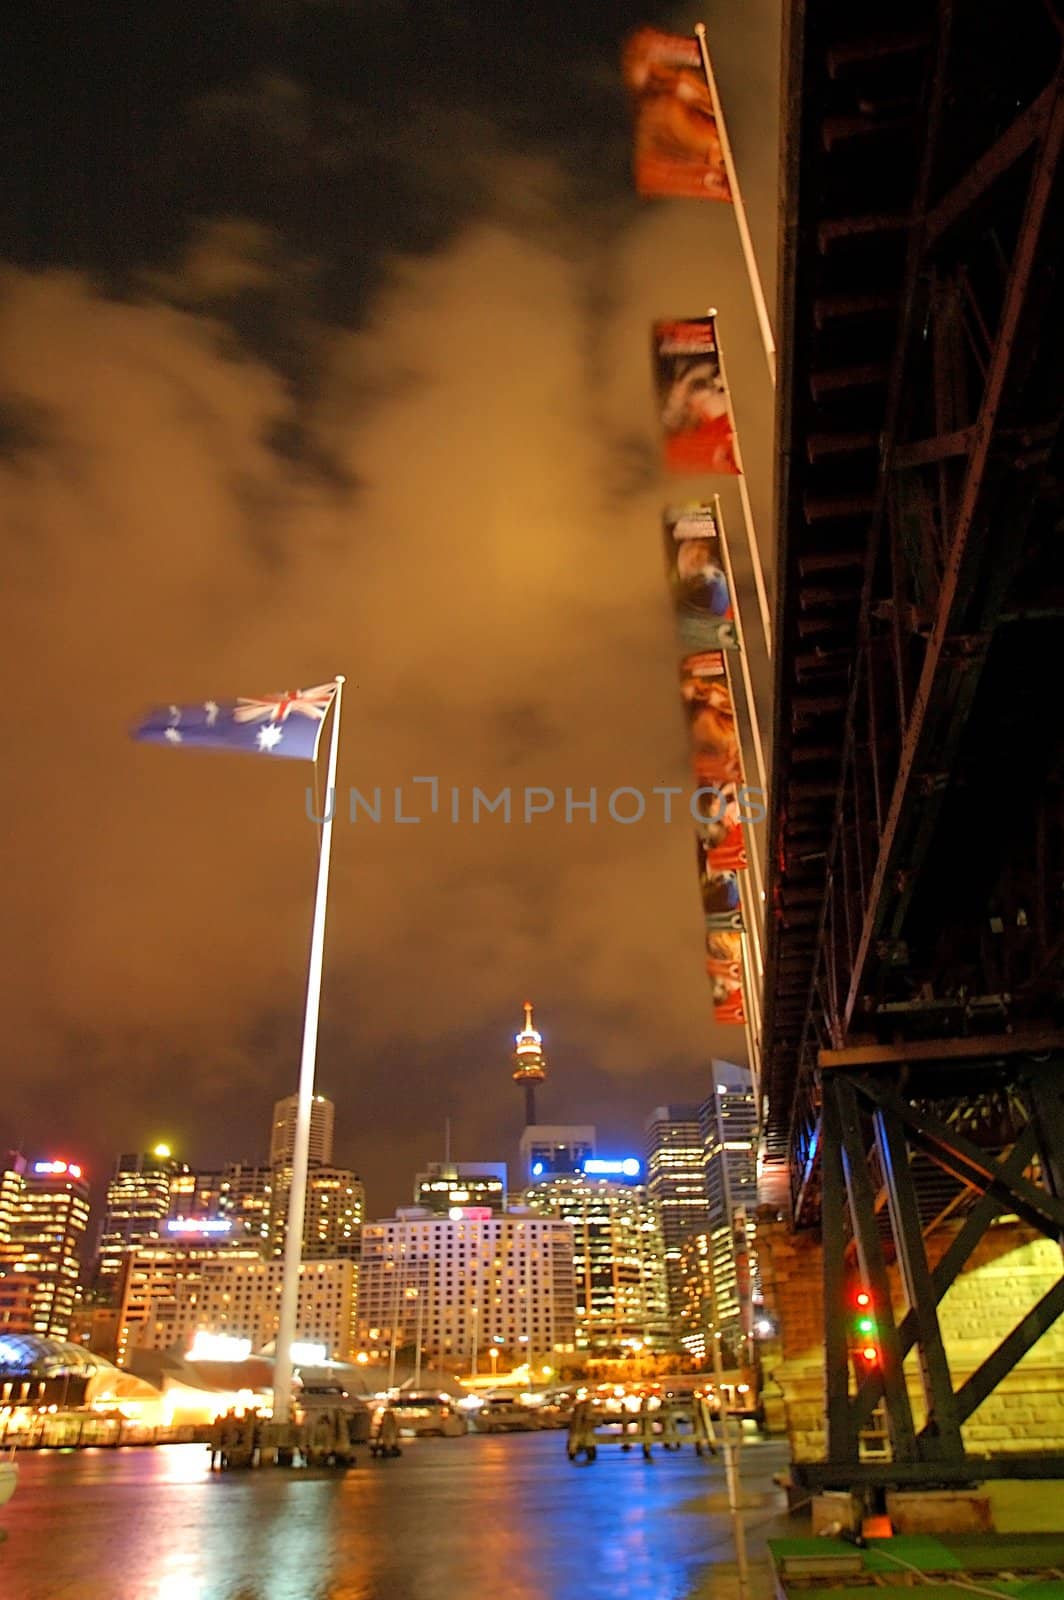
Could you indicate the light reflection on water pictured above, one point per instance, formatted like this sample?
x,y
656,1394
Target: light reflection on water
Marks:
x,y
487,1515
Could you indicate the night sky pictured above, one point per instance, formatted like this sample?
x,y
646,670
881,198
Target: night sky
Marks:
x,y
324,348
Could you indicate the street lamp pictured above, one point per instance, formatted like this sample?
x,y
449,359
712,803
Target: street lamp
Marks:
x,y
415,1294
476,1331
493,1357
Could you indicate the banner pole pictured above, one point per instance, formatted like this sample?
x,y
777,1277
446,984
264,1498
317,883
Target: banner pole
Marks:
x,y
751,704
744,496
740,210
297,1194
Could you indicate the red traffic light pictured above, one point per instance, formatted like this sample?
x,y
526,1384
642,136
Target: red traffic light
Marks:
x,y
863,1298
870,1354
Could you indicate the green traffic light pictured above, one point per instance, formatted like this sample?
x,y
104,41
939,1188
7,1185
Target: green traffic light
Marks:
x,y
866,1325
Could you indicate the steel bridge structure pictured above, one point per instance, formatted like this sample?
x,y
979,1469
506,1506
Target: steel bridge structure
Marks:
x,y
914,1008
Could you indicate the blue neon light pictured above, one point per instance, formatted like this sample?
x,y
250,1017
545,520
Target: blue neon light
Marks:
x,y
628,1168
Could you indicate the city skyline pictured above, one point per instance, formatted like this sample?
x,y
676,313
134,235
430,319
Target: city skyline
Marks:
x,y
619,1117
264,391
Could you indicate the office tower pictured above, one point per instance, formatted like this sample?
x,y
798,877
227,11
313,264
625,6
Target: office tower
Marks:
x,y
195,1194
245,1198
618,1256
44,1212
283,1135
676,1181
445,1185
469,1284
332,1216
530,1064
729,1129
171,1294
136,1207
554,1148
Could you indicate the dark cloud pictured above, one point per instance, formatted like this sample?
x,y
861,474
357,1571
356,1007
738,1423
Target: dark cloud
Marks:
x,y
345,342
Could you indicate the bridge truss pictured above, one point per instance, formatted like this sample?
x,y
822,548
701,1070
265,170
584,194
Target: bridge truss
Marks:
x,y
914,1006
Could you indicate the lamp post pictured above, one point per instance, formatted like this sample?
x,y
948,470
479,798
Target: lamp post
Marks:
x,y
493,1357
415,1294
395,1325
476,1330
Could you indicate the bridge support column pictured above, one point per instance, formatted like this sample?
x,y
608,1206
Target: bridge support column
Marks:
x,y
954,1372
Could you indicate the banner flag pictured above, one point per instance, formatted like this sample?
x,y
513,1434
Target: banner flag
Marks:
x,y
692,400
704,615
724,965
287,724
677,145
717,760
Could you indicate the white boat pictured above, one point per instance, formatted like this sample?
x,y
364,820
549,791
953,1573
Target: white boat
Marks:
x,y
8,1477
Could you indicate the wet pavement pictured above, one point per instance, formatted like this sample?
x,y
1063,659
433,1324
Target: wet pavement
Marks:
x,y
498,1517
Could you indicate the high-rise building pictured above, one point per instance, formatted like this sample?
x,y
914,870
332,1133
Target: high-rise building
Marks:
x,y
44,1212
676,1180
467,1284
530,1064
195,1194
283,1135
447,1185
618,1256
169,1295
729,1130
136,1207
555,1149
245,1198
332,1214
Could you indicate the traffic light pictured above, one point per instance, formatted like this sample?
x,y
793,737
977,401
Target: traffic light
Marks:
x,y
866,1347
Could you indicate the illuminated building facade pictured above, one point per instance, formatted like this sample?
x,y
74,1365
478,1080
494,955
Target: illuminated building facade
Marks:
x,y
447,1184
283,1131
472,1282
332,1217
44,1213
729,1129
245,1197
676,1180
169,1295
618,1256
135,1210
554,1150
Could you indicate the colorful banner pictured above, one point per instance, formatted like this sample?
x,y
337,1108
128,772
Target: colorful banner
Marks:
x,y
724,965
677,146
711,716
692,401
697,580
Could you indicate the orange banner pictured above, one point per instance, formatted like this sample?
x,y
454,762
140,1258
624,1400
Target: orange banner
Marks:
x,y
677,146
692,400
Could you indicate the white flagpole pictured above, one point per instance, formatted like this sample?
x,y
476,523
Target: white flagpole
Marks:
x,y
755,729
297,1194
740,210
751,704
744,497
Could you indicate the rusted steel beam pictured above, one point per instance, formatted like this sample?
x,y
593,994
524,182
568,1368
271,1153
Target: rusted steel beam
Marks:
x,y
924,452
832,379
1039,193
822,508
837,307
986,1047
1028,127
857,51
829,233
818,445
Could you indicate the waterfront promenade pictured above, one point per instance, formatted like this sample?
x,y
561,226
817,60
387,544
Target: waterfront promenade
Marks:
x,y
499,1517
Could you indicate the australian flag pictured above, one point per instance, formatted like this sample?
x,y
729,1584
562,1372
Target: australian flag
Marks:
x,y
287,724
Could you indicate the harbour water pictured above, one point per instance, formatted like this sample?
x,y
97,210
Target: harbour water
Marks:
x,y
503,1517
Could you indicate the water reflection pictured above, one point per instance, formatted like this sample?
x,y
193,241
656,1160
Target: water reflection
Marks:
x,y
487,1515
